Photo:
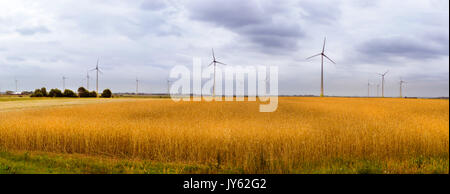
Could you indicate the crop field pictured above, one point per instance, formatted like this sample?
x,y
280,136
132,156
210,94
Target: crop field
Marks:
x,y
305,135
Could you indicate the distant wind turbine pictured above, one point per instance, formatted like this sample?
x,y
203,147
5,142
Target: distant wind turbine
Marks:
x,y
382,82
15,81
322,54
87,80
64,82
137,86
97,71
378,90
401,86
215,62
168,87
368,88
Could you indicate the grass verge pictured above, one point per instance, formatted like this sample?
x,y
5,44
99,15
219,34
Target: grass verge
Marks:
x,y
20,162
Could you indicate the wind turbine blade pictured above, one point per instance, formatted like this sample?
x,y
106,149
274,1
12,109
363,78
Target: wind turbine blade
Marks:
x,y
214,57
329,58
313,56
386,72
221,63
324,41
211,63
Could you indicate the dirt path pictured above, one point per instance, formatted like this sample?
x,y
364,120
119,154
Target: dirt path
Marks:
x,y
31,104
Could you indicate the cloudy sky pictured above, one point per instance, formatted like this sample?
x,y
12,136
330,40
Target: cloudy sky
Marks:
x,y
43,40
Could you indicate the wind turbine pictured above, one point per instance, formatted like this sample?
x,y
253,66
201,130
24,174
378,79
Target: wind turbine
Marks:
x,y
368,88
64,82
378,90
382,82
322,54
215,62
137,86
97,70
15,81
401,86
168,86
87,80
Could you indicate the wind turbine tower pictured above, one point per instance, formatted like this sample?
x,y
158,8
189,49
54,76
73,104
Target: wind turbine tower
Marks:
x,y
368,88
137,86
215,62
64,82
15,80
378,90
401,87
97,71
168,87
322,54
87,80
382,82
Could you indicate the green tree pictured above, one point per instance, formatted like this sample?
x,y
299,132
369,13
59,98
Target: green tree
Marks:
x,y
107,93
69,93
37,93
55,93
83,93
44,91
93,94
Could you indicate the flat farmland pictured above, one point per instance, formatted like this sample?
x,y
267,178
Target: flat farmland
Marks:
x,y
304,135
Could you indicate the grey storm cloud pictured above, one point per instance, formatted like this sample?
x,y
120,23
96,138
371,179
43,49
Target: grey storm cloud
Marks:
x,y
325,12
42,41
27,31
260,22
394,47
144,21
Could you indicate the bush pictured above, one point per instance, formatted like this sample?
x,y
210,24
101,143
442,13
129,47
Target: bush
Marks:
x,y
83,93
37,93
93,94
55,93
44,92
107,93
69,93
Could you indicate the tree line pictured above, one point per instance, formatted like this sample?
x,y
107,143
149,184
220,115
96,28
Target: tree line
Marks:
x,y
82,93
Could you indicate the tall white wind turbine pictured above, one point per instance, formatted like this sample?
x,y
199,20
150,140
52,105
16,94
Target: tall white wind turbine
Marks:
x,y
215,62
97,71
322,54
382,82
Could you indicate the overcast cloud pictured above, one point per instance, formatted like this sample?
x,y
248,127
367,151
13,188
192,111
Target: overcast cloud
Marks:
x,y
43,40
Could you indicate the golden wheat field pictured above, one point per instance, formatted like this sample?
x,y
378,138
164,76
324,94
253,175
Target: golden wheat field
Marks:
x,y
305,135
